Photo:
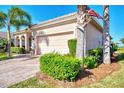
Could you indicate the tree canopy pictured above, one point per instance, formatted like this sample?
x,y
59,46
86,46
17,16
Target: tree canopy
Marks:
x,y
122,41
16,16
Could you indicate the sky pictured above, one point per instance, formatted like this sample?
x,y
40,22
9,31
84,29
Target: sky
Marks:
x,y
46,12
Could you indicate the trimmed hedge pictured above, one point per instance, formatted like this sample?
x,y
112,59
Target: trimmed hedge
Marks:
x,y
60,67
18,50
90,62
72,46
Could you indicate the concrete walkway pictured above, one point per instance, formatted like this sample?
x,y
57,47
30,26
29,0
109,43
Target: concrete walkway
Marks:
x,y
19,68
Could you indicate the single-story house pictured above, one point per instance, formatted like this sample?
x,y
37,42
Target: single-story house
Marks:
x,y
53,35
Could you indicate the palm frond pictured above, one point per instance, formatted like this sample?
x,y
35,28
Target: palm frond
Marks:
x,y
3,18
19,17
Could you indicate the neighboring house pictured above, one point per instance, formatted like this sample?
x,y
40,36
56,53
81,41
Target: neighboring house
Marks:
x,y
3,34
53,35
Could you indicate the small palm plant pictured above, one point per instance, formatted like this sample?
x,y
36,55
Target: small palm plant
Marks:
x,y
15,17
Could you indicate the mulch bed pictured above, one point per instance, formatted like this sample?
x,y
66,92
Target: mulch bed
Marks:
x,y
88,76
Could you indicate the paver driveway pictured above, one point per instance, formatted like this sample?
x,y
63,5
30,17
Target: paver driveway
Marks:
x,y
17,69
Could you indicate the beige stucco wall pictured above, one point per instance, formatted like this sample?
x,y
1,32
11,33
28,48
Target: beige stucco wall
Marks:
x,y
49,41
93,37
56,42
58,29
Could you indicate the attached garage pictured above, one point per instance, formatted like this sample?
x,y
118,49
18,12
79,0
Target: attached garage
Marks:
x,y
53,35
56,42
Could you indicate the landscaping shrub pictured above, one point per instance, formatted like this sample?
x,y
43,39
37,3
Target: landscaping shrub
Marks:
x,y
97,52
18,50
72,46
67,55
3,44
60,67
113,48
90,62
3,56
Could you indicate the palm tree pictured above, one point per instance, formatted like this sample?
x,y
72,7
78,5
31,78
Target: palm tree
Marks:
x,y
106,36
82,20
15,17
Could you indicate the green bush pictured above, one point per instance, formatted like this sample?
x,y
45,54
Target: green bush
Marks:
x,y
67,55
18,50
3,43
60,67
72,46
90,62
115,47
97,52
3,56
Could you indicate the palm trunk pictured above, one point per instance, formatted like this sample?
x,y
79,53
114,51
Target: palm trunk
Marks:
x,y
106,36
81,18
9,40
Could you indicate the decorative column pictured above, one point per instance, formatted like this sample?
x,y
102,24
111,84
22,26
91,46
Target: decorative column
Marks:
x,y
15,41
26,42
20,39
82,20
36,45
106,36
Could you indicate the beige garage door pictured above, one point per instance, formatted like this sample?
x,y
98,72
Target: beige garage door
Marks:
x,y
54,43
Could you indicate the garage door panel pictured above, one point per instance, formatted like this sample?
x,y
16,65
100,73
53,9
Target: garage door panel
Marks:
x,y
55,43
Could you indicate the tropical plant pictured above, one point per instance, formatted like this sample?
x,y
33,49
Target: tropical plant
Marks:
x,y
15,17
97,52
82,21
122,41
90,62
106,36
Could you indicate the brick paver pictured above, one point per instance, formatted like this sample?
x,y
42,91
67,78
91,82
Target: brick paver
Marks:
x,y
17,69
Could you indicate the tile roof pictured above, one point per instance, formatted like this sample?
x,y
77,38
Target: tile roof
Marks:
x,y
4,35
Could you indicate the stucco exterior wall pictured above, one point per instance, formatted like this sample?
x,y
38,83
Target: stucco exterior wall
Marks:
x,y
54,43
56,38
58,29
59,42
93,37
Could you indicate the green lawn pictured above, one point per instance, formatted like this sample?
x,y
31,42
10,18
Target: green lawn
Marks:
x,y
30,83
3,56
116,79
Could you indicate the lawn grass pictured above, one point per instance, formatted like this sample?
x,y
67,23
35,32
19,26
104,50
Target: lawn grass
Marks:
x,y
116,79
30,83
3,56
